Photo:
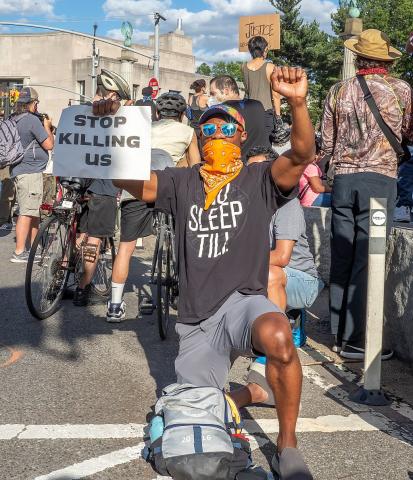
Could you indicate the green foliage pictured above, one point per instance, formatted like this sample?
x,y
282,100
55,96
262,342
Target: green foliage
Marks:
x,y
221,68
393,17
306,45
204,69
228,68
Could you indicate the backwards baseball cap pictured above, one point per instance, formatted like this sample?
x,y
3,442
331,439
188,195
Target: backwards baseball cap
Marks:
x,y
222,109
28,95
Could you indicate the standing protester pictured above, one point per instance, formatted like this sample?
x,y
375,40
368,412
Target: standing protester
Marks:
x,y
198,102
220,207
173,136
37,139
173,144
98,217
147,101
257,80
365,166
224,89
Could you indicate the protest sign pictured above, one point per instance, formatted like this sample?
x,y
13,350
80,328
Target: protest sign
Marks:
x,y
267,26
113,147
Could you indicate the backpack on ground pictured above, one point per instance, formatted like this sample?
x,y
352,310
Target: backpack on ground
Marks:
x,y
196,434
11,148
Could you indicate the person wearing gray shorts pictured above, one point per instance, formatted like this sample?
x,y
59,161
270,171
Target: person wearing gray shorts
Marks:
x,y
222,211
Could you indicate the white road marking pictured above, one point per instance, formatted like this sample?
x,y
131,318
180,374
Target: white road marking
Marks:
x,y
364,422
131,430
96,465
383,423
343,371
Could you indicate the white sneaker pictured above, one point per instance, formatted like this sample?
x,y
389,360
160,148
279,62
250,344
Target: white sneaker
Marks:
x,y
116,312
401,214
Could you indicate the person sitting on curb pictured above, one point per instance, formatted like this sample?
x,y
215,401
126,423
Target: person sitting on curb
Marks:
x,y
293,282
222,211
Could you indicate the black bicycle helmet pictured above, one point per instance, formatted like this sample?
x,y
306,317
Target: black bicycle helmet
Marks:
x,y
171,105
112,82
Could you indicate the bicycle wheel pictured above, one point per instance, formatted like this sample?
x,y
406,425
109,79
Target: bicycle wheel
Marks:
x,y
102,280
48,267
164,283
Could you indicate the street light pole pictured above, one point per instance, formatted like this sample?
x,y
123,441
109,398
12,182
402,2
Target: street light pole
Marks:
x,y
158,17
95,61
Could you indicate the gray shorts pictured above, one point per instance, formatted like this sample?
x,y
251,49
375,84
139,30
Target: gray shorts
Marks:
x,y
205,348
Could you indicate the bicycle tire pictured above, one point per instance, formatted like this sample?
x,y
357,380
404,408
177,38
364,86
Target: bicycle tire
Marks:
x,y
36,310
163,290
101,284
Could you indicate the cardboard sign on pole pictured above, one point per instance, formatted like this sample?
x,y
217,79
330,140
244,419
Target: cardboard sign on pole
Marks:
x,y
267,26
113,147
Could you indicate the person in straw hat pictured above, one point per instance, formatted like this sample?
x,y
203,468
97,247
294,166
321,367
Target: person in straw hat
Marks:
x,y
365,165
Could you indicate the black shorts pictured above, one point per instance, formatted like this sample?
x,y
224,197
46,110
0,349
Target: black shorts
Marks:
x,y
98,217
136,220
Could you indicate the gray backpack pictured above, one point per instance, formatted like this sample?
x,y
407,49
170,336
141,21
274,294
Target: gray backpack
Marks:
x,y
11,148
201,436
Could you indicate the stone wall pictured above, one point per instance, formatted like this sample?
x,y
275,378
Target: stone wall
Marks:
x,y
398,310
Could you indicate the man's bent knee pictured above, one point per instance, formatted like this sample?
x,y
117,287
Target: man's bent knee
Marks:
x,y
272,336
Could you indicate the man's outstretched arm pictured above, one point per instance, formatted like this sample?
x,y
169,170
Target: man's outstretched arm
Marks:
x,y
292,84
145,190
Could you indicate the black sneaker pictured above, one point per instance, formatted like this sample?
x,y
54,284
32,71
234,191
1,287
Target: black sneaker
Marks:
x,y
116,312
357,353
81,297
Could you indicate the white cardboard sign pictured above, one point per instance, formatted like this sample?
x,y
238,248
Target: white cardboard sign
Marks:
x,y
113,147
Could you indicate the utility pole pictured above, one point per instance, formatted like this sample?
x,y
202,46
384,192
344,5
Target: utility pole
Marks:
x,y
158,17
95,62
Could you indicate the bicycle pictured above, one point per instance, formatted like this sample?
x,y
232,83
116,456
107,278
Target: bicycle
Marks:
x,y
58,252
164,272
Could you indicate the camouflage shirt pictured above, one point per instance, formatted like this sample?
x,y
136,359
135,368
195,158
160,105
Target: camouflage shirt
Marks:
x,y
351,134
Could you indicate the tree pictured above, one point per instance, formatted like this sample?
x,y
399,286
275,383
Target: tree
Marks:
x,y
228,68
305,44
204,69
393,17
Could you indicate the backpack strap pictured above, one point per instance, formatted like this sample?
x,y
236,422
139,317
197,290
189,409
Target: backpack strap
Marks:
x,y
388,133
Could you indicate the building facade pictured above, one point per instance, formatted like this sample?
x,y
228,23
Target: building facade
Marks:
x,y
51,60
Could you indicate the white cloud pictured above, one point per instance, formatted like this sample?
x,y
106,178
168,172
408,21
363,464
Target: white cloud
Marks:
x,y
215,29
27,7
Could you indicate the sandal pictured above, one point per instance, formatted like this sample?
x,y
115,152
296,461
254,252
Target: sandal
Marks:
x,y
290,465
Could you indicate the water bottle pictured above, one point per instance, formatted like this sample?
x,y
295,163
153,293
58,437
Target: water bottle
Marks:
x,y
299,335
156,429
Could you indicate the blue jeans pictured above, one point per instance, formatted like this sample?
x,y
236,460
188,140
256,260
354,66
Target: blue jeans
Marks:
x,y
302,288
302,291
323,200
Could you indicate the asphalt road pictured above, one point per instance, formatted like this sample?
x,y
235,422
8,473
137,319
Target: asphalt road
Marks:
x,y
76,392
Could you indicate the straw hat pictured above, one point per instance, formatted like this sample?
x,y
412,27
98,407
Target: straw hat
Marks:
x,y
373,44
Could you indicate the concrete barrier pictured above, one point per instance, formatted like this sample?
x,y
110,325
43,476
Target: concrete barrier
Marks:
x,y
398,310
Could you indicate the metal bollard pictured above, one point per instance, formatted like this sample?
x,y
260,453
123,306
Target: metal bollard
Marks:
x,y
370,393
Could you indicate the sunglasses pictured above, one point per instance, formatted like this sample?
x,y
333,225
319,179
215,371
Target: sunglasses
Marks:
x,y
227,129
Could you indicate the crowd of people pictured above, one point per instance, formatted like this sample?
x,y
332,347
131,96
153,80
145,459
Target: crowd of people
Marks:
x,y
246,272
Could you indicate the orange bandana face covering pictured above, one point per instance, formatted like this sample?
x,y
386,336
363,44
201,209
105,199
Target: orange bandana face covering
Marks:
x,y
222,164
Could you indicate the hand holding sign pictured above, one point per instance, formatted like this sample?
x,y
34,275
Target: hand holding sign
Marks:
x,y
290,82
115,146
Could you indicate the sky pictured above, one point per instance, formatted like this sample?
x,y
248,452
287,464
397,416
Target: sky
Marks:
x,y
213,24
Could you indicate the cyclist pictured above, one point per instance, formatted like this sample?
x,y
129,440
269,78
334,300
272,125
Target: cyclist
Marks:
x,y
173,136
173,143
98,217
222,211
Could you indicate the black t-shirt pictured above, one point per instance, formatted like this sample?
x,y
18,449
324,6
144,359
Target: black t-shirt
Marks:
x,y
147,103
254,115
226,248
